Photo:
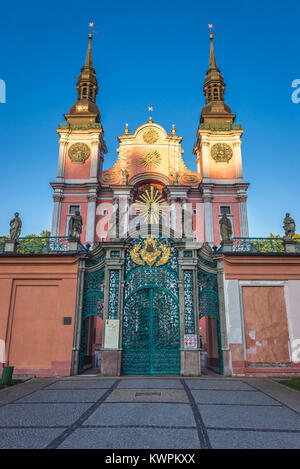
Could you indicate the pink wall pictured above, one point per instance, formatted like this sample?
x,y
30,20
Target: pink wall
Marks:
x,y
36,294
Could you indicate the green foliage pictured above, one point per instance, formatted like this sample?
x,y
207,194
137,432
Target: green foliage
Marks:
x,y
34,244
292,383
271,244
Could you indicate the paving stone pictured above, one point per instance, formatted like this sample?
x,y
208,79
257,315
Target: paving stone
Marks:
x,y
263,417
132,438
218,384
224,439
64,395
232,397
142,414
27,438
148,395
83,384
150,383
47,415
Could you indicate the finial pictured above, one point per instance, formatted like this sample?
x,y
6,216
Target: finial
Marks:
x,y
126,129
150,109
91,25
173,130
212,33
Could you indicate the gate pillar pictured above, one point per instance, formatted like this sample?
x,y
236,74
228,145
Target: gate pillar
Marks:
x,y
189,317
113,305
227,367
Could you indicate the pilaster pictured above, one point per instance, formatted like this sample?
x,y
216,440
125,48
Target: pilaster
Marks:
x,y
227,367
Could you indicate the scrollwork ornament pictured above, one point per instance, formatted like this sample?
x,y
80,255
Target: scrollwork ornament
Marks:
x,y
221,152
79,152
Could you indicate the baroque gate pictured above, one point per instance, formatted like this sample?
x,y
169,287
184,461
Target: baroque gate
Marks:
x,y
151,325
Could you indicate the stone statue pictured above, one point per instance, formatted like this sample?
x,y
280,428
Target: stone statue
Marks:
x,y
225,228
176,178
15,228
75,227
289,227
125,177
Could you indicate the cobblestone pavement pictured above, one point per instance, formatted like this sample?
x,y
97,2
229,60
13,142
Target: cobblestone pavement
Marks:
x,y
154,413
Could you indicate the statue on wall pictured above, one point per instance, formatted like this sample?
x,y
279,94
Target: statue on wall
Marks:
x,y
125,177
75,227
15,228
225,228
176,177
289,227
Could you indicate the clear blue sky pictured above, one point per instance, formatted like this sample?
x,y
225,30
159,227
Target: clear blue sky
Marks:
x,y
150,52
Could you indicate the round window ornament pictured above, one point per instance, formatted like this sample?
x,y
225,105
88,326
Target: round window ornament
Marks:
x,y
150,136
79,152
221,152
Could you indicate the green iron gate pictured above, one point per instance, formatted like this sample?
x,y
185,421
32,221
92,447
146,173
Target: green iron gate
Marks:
x,y
209,299
151,332
93,302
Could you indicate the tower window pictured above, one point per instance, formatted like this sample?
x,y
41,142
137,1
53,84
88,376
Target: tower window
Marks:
x,y
73,209
225,209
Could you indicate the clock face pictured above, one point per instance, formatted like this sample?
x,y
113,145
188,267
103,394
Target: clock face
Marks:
x,y
79,152
221,152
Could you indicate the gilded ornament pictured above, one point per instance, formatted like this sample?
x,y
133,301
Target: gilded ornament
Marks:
x,y
79,152
150,253
151,158
150,205
150,136
221,152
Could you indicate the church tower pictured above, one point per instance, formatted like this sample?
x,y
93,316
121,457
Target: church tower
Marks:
x,y
218,157
81,153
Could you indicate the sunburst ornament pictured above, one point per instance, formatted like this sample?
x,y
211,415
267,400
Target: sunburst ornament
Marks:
x,y
151,158
150,205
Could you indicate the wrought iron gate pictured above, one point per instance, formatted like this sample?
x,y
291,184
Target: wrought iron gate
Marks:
x,y
209,299
93,302
151,332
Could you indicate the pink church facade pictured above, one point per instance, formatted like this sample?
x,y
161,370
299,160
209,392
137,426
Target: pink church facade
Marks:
x,y
150,156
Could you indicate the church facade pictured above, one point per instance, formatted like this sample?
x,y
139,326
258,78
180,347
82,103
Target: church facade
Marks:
x,y
150,157
151,216
164,278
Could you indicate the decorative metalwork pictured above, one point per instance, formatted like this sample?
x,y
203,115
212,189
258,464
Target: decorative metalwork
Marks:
x,y
150,136
93,297
258,245
44,245
187,253
150,205
115,254
221,152
151,158
113,301
79,152
150,253
151,333
94,125
220,127
92,305
209,303
189,322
